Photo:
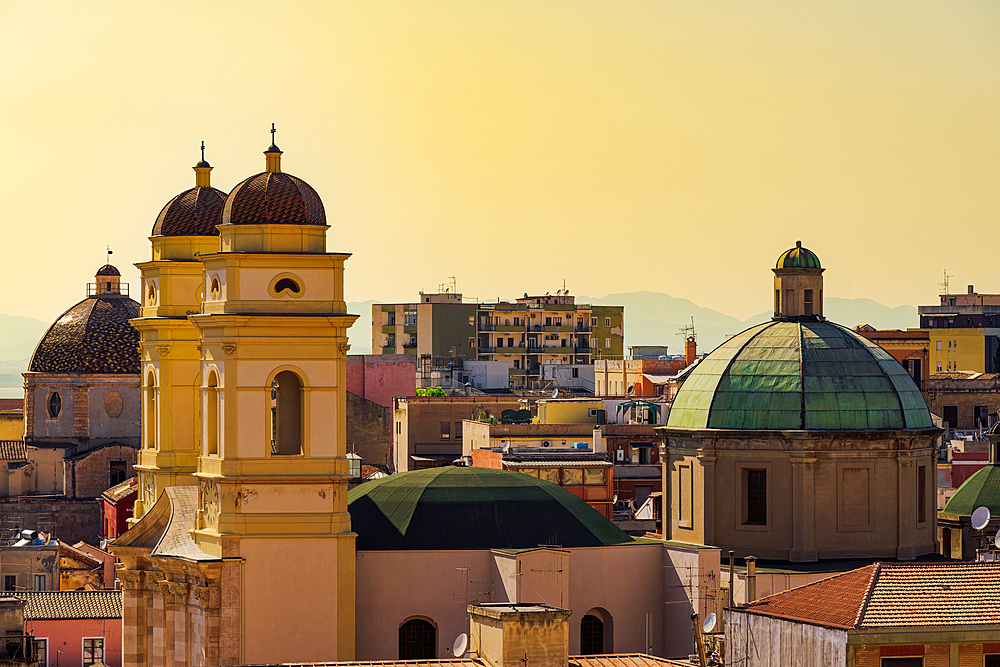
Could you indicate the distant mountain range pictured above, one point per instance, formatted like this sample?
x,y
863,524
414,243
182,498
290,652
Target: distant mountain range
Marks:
x,y
651,318
654,318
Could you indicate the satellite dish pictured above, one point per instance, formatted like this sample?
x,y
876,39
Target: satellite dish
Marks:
x,y
996,539
460,646
709,623
555,393
980,518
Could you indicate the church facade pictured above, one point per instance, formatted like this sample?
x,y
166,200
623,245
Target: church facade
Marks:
x,y
243,470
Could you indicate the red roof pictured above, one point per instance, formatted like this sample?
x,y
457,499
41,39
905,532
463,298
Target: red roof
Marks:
x,y
833,602
8,404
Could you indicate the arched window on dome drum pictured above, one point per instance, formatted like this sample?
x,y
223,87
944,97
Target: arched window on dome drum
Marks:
x,y
149,412
286,414
212,415
417,640
55,405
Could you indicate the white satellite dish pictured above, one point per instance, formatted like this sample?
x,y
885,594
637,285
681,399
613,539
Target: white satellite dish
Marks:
x,y
460,645
555,393
980,518
996,539
709,623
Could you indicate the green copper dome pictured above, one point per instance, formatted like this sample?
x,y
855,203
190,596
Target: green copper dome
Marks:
x,y
473,508
798,258
982,489
799,375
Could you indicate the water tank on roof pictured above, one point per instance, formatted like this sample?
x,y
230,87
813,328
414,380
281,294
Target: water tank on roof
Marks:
x,y
581,445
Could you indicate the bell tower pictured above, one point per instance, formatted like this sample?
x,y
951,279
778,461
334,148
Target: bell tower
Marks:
x,y
798,284
171,361
272,472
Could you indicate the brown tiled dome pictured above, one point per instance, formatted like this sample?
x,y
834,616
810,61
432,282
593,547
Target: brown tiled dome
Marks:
x,y
108,270
194,212
94,336
273,198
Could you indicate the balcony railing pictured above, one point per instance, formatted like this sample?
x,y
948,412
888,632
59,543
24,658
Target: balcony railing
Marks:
x,y
18,648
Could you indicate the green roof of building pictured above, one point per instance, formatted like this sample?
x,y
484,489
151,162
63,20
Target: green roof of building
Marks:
x,y
811,375
798,258
982,489
450,508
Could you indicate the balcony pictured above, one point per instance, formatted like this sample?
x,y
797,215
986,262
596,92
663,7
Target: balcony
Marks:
x,y
411,343
410,328
583,329
558,328
18,648
388,328
557,350
388,349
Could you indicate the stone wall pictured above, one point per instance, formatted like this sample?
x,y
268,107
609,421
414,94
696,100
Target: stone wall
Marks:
x,y
68,519
89,475
369,430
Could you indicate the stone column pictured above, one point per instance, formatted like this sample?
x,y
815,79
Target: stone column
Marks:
x,y
135,619
907,515
803,510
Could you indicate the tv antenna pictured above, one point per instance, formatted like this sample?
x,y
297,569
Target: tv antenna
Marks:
x,y
450,285
688,331
944,283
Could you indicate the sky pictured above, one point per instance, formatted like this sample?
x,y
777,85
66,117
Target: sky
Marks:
x,y
620,146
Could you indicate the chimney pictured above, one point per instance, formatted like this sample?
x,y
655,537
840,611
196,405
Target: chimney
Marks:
x,y
691,350
972,289
751,579
535,635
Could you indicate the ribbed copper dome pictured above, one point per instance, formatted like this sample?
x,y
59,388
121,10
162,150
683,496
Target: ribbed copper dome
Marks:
x,y
194,212
273,198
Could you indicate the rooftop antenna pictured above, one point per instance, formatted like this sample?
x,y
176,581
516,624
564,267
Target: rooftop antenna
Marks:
x,y
687,331
944,283
565,291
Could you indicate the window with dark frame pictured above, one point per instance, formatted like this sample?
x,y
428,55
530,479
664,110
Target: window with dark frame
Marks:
x,y
808,302
591,635
417,640
921,494
55,405
93,651
445,430
991,660
117,470
911,661
41,652
10,582
756,497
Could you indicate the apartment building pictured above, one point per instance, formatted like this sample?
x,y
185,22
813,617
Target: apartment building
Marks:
x,y
437,327
535,331
963,331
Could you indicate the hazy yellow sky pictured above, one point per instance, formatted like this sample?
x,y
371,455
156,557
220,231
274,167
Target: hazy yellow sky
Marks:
x,y
621,146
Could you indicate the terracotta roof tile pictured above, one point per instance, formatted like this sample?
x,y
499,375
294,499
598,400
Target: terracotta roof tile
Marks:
x,y
274,198
119,491
12,450
94,336
612,660
194,212
62,605
832,602
933,594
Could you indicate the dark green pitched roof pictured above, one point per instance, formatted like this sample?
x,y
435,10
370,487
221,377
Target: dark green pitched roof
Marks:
x,y
798,258
799,375
982,489
473,508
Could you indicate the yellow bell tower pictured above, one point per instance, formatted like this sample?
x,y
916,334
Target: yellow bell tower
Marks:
x,y
273,471
171,361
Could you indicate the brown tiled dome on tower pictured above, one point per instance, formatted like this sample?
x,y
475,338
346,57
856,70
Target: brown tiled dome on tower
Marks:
x,y
94,336
272,197
194,212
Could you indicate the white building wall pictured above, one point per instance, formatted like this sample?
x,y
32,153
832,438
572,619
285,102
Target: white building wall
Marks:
x,y
762,641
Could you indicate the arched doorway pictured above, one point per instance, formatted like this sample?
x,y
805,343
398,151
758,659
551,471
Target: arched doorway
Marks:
x,y
417,640
596,632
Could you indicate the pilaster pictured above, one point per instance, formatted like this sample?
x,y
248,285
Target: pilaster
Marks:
x,y
803,510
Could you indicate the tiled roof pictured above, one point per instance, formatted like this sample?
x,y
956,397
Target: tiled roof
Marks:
x,y
832,602
108,270
119,491
893,595
63,605
94,336
933,594
194,212
9,404
562,463
274,197
12,450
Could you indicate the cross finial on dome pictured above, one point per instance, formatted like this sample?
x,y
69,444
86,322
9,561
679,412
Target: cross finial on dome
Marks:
x,y
273,155
202,171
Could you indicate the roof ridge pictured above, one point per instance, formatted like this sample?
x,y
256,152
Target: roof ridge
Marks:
x,y
876,570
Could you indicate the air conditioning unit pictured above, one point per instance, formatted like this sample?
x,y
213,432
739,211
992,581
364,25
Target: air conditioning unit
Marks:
x,y
546,443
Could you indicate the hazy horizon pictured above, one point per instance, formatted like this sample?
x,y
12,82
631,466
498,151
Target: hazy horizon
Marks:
x,y
676,148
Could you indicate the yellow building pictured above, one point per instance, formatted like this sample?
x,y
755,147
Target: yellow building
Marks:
x,y
244,369
960,350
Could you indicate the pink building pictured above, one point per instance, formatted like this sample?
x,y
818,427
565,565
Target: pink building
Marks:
x,y
75,628
380,377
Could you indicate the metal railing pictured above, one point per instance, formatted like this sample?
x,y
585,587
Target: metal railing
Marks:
x,y
17,647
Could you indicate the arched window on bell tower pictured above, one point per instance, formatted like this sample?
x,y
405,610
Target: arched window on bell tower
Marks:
x,y
212,415
286,414
149,411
